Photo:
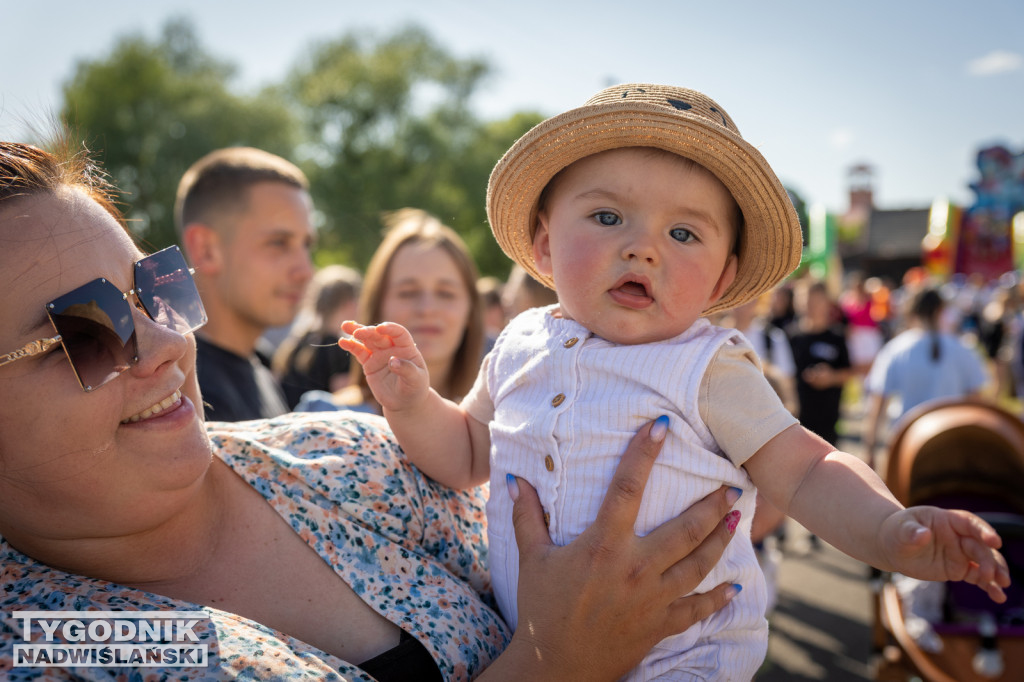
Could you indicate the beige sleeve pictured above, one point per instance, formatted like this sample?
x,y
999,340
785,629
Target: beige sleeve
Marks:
x,y
478,403
739,406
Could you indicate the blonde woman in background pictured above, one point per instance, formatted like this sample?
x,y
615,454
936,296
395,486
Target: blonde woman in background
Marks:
x,y
423,277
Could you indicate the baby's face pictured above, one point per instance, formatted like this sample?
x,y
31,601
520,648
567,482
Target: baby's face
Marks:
x,y
639,243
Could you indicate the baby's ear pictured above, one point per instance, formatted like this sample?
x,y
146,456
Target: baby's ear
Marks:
x,y
725,280
542,245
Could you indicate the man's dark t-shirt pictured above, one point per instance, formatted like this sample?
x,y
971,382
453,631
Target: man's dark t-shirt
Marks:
x,y
819,408
236,388
311,365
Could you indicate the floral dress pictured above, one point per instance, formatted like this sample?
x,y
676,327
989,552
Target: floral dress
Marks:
x,y
412,549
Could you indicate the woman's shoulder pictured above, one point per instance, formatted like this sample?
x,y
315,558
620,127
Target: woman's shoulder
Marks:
x,y
293,429
307,448
904,340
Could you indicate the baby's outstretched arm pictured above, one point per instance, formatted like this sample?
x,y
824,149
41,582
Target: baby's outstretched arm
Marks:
x,y
437,435
838,497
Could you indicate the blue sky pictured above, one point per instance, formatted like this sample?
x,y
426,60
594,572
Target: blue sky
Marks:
x,y
912,87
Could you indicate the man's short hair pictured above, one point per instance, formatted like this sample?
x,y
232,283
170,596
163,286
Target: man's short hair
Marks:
x,y
219,183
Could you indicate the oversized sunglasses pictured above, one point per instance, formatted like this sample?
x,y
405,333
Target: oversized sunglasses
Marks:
x,y
94,322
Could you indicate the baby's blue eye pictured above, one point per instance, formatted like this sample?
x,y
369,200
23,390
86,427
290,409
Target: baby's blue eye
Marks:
x,y
607,218
681,234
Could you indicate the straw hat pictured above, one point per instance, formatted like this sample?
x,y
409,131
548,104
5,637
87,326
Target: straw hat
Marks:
x,y
681,121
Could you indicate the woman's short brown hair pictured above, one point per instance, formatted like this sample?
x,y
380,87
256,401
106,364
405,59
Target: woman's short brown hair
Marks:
x,y
26,170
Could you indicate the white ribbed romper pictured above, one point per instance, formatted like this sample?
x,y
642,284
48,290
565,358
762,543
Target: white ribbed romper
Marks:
x,y
565,404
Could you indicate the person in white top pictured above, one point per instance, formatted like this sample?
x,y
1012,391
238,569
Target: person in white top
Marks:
x,y
772,347
647,211
920,364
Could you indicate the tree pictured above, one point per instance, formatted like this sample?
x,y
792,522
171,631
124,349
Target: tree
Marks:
x,y
801,211
378,123
390,125
150,109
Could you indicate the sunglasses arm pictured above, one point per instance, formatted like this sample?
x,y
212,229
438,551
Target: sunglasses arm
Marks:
x,y
29,349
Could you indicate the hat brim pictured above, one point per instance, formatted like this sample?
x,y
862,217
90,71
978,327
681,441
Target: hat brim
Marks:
x,y
771,242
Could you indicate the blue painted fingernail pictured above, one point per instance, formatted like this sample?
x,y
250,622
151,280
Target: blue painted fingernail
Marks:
x,y
513,486
659,429
733,590
733,494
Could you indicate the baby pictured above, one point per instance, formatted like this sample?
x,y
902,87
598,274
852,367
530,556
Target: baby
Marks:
x,y
647,211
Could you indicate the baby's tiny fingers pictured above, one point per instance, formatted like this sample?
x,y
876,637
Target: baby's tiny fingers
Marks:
x,y
985,556
349,326
966,523
391,329
401,366
358,350
914,534
995,592
373,339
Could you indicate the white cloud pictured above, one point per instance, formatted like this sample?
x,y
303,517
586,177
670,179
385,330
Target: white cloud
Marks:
x,y
998,61
841,138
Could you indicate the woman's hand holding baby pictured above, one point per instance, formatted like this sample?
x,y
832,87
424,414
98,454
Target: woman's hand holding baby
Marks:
x,y
930,543
394,367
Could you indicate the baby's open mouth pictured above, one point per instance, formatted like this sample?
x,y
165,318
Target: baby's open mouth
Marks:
x,y
633,289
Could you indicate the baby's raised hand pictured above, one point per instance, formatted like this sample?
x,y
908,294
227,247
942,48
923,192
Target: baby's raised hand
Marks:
x,y
394,368
930,543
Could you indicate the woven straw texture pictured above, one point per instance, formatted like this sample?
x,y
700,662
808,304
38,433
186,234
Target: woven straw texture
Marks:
x,y
677,120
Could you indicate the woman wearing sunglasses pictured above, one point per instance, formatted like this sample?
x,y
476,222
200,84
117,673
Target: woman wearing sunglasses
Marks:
x,y
306,546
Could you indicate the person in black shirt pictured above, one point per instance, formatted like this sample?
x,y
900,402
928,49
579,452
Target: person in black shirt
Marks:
x,y
244,219
822,363
782,308
309,358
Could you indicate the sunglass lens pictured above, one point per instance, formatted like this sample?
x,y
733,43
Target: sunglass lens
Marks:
x,y
96,328
167,291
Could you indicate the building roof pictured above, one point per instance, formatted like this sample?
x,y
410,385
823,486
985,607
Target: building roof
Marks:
x,y
895,233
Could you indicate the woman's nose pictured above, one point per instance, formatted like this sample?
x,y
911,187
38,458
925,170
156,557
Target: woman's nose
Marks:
x,y
426,302
157,344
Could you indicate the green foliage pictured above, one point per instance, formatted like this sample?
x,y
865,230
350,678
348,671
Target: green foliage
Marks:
x,y
390,126
148,110
377,122
801,211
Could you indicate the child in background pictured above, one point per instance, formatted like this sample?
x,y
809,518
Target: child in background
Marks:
x,y
523,292
647,211
307,360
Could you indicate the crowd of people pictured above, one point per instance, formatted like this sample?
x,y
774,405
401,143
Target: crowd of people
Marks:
x,y
271,344
310,546
265,476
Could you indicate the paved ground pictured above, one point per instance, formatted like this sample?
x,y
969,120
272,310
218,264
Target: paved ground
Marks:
x,y
821,626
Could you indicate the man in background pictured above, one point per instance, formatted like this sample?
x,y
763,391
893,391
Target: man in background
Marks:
x,y
244,217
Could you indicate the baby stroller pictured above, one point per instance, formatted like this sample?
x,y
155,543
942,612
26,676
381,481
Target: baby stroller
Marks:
x,y
963,454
